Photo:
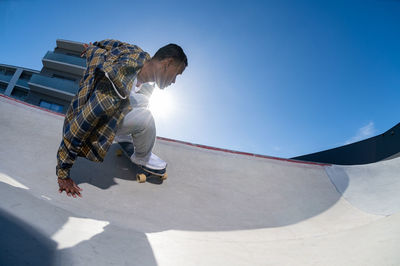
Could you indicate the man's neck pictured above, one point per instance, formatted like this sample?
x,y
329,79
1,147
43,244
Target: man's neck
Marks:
x,y
144,75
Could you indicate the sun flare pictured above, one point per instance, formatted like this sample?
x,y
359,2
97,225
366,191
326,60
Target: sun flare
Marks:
x,y
161,103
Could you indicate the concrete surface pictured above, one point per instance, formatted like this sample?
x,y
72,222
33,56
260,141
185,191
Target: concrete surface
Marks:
x,y
216,207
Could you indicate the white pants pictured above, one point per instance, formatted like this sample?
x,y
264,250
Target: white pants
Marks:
x,y
138,127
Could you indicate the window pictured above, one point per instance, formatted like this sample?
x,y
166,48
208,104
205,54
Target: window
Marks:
x,y
7,72
75,55
19,93
10,72
2,88
25,76
51,106
63,77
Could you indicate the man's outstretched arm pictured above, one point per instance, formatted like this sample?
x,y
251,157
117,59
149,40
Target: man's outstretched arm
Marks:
x,y
65,160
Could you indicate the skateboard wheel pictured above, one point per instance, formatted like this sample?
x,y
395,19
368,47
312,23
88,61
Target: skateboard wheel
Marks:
x,y
165,176
141,178
118,152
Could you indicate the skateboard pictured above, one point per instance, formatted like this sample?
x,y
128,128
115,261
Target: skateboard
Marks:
x,y
127,148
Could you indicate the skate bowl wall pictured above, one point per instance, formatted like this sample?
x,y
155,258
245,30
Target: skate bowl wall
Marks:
x,y
206,190
215,204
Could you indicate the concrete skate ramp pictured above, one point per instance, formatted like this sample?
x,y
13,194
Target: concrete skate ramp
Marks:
x,y
216,207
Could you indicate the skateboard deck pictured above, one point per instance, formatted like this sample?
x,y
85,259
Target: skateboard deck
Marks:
x,y
127,148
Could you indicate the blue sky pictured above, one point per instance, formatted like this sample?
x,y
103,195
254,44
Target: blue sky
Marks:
x,y
281,78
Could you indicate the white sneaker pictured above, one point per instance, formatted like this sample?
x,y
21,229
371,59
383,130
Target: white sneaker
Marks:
x,y
152,162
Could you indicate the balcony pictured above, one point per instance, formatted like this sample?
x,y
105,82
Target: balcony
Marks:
x,y
5,78
70,45
56,87
65,63
23,83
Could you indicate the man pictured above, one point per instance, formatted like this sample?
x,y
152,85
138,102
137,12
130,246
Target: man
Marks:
x,y
117,76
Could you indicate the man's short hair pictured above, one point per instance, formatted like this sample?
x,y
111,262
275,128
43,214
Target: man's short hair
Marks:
x,y
171,51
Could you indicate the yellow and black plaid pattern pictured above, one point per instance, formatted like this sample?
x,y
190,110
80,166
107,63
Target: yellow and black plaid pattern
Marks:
x,y
96,110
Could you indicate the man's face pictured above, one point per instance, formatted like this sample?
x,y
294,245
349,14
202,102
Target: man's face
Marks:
x,y
168,70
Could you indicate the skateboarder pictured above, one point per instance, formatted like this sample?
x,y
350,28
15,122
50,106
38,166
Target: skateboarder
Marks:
x,y
117,78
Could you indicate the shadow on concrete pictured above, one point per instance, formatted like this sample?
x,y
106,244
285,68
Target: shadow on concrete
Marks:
x,y
225,195
115,246
21,244
102,176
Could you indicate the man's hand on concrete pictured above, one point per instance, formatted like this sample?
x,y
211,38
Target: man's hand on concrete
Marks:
x,y
69,186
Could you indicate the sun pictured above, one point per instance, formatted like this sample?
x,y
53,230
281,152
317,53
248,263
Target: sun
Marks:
x,y
160,104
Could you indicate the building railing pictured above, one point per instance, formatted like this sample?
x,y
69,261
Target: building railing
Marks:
x,y
23,83
63,58
67,86
5,78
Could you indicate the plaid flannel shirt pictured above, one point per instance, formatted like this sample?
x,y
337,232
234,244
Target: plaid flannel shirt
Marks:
x,y
93,117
